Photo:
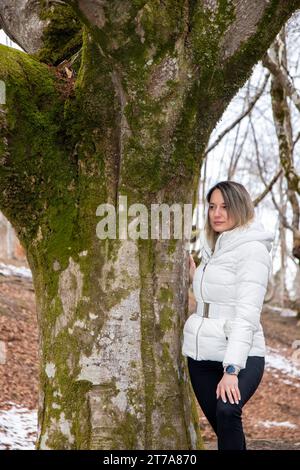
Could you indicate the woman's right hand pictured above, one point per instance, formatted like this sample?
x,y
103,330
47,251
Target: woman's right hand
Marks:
x,y
192,268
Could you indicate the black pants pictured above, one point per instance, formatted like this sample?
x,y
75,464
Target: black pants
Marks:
x,y
225,418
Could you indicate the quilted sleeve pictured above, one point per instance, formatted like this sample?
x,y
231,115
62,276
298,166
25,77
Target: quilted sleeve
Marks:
x,y
253,271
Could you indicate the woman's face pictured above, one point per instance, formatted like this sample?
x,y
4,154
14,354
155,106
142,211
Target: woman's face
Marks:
x,y
217,211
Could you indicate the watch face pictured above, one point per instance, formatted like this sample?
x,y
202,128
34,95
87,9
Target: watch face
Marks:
x,y
230,369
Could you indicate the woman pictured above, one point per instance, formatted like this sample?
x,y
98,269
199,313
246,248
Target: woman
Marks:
x,y
223,340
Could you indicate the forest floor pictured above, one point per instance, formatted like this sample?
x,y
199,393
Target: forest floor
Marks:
x,y
271,418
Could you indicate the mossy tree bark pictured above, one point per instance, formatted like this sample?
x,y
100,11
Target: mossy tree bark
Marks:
x,y
154,78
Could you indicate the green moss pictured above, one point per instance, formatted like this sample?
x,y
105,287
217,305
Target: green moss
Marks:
x,y
195,421
168,379
126,434
172,246
76,411
146,258
207,29
145,163
159,31
185,135
166,318
63,35
39,170
58,441
165,295
143,168
168,432
73,400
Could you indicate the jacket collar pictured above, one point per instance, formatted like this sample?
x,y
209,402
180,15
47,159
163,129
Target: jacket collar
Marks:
x,y
229,239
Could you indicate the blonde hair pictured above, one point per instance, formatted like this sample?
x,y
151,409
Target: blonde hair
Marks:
x,y
239,207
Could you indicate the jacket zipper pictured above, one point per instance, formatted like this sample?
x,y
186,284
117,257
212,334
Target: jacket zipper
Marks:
x,y
206,305
197,355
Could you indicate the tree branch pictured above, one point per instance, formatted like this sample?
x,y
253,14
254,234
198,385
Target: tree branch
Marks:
x,y
282,118
225,70
50,29
241,117
33,164
268,187
280,74
21,21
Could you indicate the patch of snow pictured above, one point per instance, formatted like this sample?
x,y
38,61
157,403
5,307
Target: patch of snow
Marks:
x,y
3,352
10,270
50,370
269,424
289,382
274,360
283,312
18,428
288,313
275,309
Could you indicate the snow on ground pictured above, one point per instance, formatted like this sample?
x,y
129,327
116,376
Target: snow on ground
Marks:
x,y
10,270
274,360
18,428
283,312
269,424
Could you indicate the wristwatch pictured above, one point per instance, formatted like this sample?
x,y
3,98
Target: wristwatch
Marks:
x,y
231,369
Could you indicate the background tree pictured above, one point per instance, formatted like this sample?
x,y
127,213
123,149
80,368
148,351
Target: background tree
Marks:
x,y
119,98
257,143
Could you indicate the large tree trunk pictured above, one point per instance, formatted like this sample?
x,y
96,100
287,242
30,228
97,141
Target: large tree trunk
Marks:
x,y
154,78
111,366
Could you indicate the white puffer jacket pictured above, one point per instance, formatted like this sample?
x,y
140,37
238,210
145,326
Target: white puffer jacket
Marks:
x,y
233,281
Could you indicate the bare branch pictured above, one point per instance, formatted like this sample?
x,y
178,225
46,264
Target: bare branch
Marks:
x,y
280,74
268,187
296,140
241,117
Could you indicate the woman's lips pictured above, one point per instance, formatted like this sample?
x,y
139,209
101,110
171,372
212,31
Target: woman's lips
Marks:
x,y
217,223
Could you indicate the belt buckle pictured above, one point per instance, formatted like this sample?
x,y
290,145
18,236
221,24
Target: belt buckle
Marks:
x,y
206,310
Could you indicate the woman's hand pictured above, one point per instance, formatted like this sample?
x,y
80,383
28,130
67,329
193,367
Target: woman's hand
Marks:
x,y
192,267
229,385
